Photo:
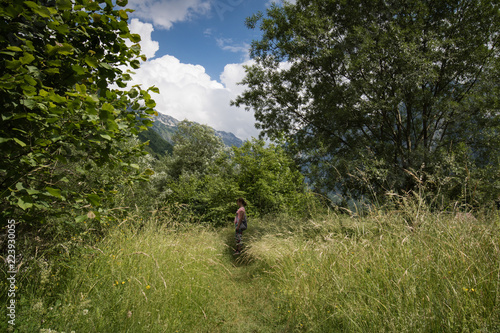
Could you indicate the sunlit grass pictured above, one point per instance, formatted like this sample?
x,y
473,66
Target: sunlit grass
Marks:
x,y
329,274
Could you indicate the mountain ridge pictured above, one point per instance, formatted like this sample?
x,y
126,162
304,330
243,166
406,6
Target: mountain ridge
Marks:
x,y
166,126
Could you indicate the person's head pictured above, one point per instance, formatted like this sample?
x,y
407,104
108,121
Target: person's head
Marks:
x,y
241,202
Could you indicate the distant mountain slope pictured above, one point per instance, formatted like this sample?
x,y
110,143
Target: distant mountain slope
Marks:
x,y
166,126
157,145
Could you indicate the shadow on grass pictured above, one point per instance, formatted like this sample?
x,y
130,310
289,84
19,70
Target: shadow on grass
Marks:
x,y
250,235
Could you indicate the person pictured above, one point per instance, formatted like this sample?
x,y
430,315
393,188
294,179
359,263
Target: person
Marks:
x,y
240,223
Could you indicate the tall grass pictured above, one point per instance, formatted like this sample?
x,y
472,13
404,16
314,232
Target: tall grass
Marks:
x,y
333,273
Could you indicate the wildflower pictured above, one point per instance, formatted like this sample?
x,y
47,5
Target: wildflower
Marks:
x,y
465,289
148,286
123,282
85,312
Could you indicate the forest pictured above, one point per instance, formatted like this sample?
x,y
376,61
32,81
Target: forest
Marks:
x,y
373,191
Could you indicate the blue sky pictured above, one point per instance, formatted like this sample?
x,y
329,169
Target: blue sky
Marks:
x,y
212,40
196,50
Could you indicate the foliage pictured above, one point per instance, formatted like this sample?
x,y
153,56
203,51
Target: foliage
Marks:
x,y
269,178
379,87
59,60
195,148
202,179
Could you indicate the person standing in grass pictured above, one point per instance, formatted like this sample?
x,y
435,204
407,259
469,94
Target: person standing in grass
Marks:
x,y
240,223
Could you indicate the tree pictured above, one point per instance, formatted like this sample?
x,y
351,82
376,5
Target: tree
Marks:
x,y
59,62
195,148
268,177
197,181
369,90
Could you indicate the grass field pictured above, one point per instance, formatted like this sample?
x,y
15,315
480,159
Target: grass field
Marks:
x,y
329,274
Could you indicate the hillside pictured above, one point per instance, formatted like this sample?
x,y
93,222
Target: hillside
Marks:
x,y
157,145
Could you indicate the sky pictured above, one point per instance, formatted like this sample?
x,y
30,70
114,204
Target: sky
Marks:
x,y
196,50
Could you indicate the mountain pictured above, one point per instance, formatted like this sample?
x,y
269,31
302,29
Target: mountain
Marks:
x,y
166,126
157,145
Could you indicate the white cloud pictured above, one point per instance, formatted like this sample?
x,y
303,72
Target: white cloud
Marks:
x,y
279,2
232,75
164,13
187,92
227,44
148,46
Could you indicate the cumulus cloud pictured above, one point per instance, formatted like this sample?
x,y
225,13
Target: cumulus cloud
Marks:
x,y
234,74
164,13
148,46
188,92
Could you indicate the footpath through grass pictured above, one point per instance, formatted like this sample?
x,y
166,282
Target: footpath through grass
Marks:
x,y
331,274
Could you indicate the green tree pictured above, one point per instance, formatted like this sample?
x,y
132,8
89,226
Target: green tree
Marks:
x,y
195,148
366,90
59,62
269,178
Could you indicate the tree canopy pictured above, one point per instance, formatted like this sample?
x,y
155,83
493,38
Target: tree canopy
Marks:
x,y
367,91
61,63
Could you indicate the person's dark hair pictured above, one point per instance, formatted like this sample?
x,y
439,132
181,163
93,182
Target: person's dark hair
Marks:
x,y
242,201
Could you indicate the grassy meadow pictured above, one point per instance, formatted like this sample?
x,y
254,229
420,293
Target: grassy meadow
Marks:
x,y
333,273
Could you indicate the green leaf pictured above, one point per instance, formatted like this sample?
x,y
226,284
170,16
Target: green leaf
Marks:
x,y
94,200
105,66
40,10
92,62
24,204
122,3
28,79
28,90
80,219
133,93
3,140
135,64
150,103
55,192
27,58
64,4
135,38
81,88
13,64
79,69
32,192
105,136
19,142
29,103
123,14
108,107
65,49
14,48
111,125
